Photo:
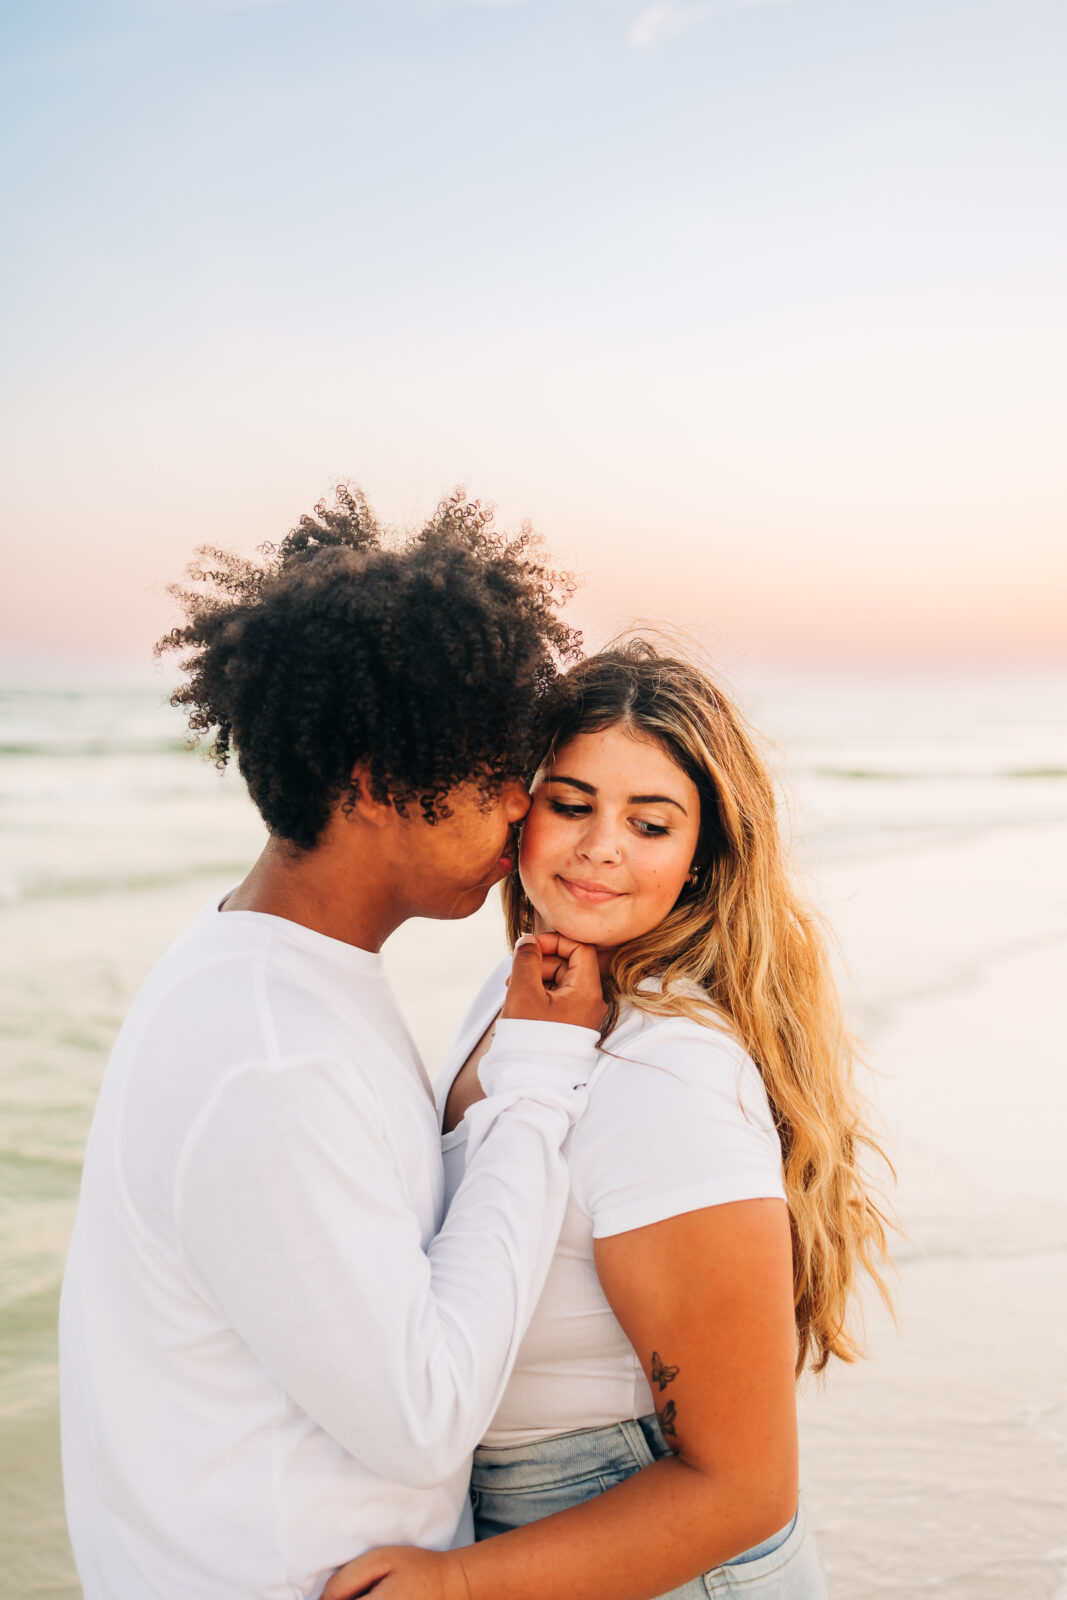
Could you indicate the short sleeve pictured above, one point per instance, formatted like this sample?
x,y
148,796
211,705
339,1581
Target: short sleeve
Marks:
x,y
678,1120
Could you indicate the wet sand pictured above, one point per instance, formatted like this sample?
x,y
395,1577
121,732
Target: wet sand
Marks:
x,y
940,1466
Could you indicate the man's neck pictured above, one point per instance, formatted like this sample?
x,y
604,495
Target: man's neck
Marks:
x,y
331,890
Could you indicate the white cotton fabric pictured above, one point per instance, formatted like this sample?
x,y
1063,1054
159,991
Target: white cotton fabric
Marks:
x,y
273,1356
677,1119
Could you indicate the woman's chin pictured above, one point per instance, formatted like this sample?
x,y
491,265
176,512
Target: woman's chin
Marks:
x,y
582,927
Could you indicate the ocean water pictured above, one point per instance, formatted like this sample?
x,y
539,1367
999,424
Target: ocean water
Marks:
x,y
928,814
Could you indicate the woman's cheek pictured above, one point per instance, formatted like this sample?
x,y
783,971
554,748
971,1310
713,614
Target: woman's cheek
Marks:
x,y
656,895
534,855
540,842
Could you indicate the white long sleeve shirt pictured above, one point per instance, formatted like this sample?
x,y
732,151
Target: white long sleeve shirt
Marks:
x,y
273,1356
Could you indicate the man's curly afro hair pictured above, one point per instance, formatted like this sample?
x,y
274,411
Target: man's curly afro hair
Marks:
x,y
431,658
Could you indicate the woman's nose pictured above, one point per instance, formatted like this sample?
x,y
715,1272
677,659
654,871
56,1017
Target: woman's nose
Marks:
x,y
599,841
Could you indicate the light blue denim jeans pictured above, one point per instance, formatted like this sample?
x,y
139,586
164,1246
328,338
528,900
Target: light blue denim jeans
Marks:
x,y
524,1482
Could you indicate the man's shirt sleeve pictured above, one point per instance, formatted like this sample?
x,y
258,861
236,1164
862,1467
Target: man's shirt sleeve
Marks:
x,y
293,1212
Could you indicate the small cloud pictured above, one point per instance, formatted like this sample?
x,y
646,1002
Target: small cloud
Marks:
x,y
663,21
667,20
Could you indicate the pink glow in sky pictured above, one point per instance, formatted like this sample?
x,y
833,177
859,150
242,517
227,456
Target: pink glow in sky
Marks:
x,y
756,311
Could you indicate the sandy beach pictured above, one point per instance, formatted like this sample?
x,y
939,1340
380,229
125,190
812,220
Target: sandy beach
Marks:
x,y
938,1467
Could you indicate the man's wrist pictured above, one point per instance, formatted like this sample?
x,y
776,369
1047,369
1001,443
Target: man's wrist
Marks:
x,y
538,1058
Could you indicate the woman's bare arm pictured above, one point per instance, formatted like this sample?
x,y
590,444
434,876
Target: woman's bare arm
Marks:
x,y
706,1300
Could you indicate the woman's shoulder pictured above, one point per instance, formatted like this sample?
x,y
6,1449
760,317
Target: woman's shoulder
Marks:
x,y
670,1038
678,1119
695,1059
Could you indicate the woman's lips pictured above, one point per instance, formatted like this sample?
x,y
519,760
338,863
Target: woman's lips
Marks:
x,y
593,894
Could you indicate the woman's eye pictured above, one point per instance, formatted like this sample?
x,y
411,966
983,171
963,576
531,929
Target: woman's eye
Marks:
x,y
651,830
563,810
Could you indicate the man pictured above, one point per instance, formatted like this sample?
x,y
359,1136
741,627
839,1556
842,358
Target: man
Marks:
x,y
273,1353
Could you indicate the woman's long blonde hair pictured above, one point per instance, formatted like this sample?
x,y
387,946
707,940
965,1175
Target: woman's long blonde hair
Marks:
x,y
742,935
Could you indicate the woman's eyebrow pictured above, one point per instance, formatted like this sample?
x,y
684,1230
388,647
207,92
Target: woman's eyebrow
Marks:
x,y
575,783
633,800
656,799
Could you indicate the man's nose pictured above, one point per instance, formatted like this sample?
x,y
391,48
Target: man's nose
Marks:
x,y
516,800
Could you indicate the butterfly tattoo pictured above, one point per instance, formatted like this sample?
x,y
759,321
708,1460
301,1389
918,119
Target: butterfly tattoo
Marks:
x,y
667,1419
662,1374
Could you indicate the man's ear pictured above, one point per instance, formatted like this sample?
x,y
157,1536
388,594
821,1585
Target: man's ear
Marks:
x,y
361,805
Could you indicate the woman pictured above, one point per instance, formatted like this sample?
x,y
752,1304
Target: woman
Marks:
x,y
646,1442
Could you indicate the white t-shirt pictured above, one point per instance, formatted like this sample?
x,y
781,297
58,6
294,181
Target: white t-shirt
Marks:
x,y
677,1119
269,1362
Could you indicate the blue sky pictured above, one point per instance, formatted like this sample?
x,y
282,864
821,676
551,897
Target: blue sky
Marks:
x,y
757,310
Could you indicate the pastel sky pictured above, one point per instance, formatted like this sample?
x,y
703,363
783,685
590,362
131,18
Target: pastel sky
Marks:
x,y
755,308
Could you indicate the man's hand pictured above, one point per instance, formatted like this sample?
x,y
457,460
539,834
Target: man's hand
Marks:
x,y
400,1572
573,993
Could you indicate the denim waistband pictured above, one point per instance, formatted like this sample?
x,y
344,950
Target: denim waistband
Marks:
x,y
616,1447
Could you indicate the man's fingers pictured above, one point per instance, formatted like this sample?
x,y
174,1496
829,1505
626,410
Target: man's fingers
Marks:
x,y
546,988
579,992
556,944
551,967
551,963
582,969
358,1577
525,983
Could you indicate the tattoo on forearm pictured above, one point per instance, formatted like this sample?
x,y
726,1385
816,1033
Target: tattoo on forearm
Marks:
x,y
661,1373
